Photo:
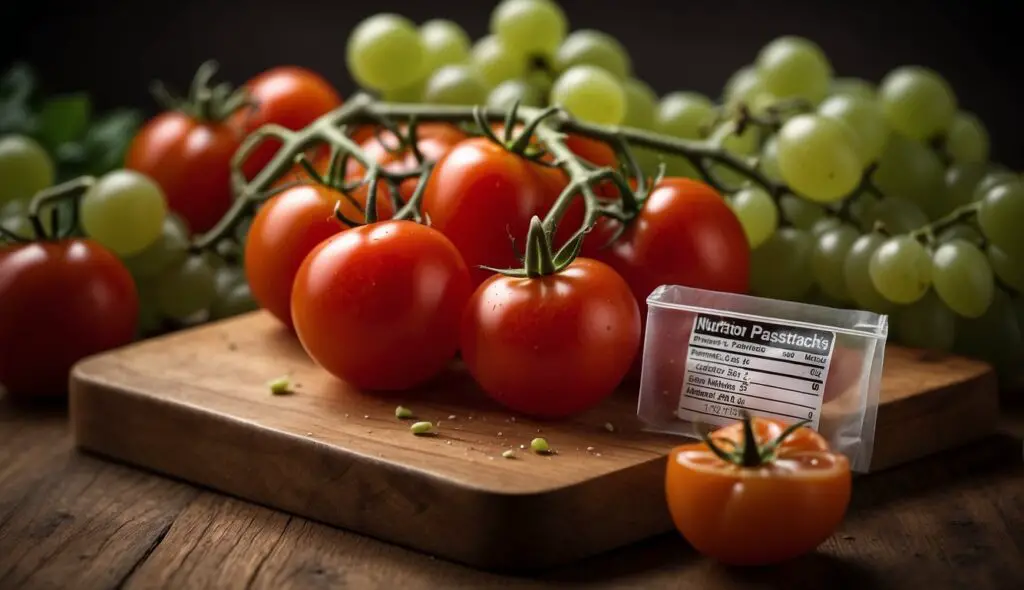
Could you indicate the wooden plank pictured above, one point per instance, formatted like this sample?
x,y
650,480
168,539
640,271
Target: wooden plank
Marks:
x,y
195,405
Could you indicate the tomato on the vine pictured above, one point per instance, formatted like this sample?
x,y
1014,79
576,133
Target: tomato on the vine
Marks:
x,y
685,234
190,158
289,96
794,490
555,345
482,196
284,231
59,303
379,305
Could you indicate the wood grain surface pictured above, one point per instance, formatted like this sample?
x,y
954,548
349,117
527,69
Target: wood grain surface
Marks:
x,y
72,520
195,405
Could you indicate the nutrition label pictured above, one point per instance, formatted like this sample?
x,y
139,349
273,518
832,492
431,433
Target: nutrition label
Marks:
x,y
770,369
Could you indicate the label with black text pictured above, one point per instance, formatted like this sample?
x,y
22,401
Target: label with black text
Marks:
x,y
770,369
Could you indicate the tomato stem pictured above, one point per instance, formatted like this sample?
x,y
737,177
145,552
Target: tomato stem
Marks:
x,y
205,104
749,453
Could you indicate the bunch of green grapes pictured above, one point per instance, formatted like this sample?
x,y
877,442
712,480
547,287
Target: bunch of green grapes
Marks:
x,y
529,55
888,201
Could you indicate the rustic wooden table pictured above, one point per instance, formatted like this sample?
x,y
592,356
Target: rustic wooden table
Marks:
x,y
71,520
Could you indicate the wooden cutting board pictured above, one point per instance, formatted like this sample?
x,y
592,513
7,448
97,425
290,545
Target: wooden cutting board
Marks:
x,y
196,405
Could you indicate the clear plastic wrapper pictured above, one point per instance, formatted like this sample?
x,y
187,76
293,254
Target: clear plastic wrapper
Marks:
x,y
708,356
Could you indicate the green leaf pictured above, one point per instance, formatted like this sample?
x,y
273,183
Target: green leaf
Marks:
x,y
17,84
108,138
64,118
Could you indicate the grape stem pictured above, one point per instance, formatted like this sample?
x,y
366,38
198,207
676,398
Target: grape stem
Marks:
x,y
959,215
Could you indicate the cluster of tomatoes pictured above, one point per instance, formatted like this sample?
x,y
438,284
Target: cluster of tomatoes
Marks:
x,y
387,305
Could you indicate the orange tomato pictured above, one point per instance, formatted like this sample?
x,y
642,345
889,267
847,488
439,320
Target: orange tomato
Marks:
x,y
779,500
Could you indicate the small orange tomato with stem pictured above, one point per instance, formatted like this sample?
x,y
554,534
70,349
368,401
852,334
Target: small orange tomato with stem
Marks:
x,y
757,492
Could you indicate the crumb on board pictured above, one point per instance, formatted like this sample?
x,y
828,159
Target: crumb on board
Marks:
x,y
451,416
590,449
279,386
609,427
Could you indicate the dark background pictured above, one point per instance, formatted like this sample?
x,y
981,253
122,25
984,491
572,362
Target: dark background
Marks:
x,y
114,48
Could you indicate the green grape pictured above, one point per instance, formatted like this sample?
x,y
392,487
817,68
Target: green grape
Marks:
x,y
150,318
385,52
455,85
742,86
800,212
824,225
818,158
794,67
226,278
960,182
687,115
14,218
855,87
757,214
169,249
495,62
533,27
769,162
857,276
901,270
780,267
407,94
186,289
993,179
962,277
641,104
917,101
926,324
1000,215
744,144
865,119
895,214
235,301
504,95
1009,271
910,170
828,258
124,211
444,43
25,168
587,47
680,167
960,231
967,139
590,94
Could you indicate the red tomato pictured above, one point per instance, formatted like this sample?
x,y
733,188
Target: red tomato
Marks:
x,y
685,234
59,303
284,231
191,161
478,195
379,305
796,495
289,96
552,346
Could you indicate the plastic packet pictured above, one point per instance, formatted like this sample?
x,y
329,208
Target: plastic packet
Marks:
x,y
709,355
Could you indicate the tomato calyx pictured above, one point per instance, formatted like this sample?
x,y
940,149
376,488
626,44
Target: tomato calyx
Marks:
x,y
204,103
749,453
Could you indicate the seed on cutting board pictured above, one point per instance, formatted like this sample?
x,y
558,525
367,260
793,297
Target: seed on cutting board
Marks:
x,y
279,386
509,454
609,427
403,413
422,428
590,449
451,416
539,445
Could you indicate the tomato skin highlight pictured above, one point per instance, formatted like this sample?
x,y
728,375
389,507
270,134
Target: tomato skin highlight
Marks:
x,y
758,515
379,306
191,161
290,96
553,346
59,303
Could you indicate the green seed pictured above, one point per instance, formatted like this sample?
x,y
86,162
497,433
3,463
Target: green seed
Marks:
x,y
539,445
403,413
279,386
421,428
